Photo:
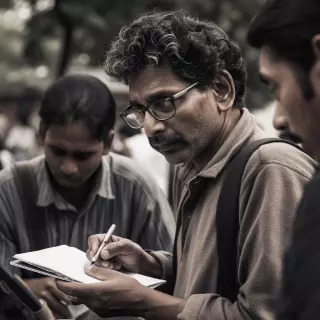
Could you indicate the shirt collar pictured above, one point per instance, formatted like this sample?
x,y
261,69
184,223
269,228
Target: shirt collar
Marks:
x,y
47,195
242,132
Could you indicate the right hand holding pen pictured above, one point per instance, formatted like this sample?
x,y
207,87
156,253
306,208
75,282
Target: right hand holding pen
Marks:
x,y
117,253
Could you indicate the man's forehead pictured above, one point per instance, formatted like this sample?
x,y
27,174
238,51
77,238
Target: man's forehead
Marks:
x,y
69,146
153,80
266,61
71,137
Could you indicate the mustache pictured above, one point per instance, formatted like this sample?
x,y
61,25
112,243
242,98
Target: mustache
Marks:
x,y
287,135
160,139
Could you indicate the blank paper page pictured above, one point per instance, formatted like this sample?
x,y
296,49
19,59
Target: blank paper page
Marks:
x,y
66,260
70,262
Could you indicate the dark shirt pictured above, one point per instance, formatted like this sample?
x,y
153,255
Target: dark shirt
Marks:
x,y
301,287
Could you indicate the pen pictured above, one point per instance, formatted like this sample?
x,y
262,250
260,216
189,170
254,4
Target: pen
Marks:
x,y
105,240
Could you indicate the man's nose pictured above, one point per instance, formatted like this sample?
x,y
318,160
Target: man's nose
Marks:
x,y
280,122
69,167
152,125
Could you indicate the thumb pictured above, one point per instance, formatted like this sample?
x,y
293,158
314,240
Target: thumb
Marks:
x,y
99,273
94,243
70,288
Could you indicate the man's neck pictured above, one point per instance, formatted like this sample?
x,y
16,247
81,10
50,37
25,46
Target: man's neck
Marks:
x,y
75,196
79,195
205,157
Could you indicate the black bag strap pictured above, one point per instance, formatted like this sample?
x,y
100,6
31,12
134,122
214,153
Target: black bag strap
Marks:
x,y
34,217
227,219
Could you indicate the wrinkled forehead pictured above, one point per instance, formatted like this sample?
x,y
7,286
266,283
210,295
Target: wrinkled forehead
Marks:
x,y
152,80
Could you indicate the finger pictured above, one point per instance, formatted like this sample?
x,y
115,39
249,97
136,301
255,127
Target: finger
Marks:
x,y
55,305
113,249
94,243
104,264
75,291
99,273
110,264
75,300
117,266
89,254
59,295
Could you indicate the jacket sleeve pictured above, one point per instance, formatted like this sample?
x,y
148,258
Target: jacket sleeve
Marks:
x,y
10,306
268,202
152,225
8,246
301,290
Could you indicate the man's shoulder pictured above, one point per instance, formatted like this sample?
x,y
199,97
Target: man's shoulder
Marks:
x,y
130,172
282,155
312,189
7,174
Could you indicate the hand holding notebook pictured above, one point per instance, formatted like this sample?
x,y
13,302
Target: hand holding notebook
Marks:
x,y
67,263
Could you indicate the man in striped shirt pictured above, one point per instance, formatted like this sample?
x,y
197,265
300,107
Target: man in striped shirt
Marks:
x,y
82,188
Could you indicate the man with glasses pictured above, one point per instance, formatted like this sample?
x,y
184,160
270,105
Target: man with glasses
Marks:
x,y
161,109
187,84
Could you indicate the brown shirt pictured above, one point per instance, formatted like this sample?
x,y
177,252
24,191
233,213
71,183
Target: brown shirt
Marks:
x,y
272,185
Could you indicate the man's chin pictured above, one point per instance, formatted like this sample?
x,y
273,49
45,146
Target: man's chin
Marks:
x,y
68,184
305,146
174,155
175,158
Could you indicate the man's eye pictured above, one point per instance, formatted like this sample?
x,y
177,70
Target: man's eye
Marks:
x,y
273,87
58,151
83,156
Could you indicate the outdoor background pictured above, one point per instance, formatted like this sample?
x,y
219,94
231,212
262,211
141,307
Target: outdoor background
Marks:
x,y
43,39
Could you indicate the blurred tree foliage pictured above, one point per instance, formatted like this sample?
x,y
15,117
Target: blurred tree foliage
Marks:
x,y
59,33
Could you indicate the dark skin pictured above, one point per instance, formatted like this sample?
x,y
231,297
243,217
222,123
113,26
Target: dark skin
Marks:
x,y
75,196
202,121
73,157
119,294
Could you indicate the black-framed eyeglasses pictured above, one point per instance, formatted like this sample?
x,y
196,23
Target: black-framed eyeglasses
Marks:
x,y
161,109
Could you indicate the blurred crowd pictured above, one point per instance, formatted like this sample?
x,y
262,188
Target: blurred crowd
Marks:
x,y
18,141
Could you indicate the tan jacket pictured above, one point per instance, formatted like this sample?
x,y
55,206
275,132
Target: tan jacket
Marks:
x,y
272,185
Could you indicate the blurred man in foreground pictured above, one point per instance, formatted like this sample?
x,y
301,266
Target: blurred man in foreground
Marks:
x,y
187,84
287,32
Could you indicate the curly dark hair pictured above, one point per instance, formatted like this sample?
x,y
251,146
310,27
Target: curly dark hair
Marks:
x,y
198,51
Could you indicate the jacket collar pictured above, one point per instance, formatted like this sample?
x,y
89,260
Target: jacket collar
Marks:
x,y
241,133
48,195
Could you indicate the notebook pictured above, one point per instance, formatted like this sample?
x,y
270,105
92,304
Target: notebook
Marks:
x,y
67,264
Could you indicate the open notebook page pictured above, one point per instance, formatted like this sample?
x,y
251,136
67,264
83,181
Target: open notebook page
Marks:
x,y
69,262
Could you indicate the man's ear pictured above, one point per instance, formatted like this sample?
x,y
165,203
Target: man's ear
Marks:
x,y
225,92
316,45
42,132
108,142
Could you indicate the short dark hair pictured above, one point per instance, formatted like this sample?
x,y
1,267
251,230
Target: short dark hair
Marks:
x,y
76,98
287,28
198,51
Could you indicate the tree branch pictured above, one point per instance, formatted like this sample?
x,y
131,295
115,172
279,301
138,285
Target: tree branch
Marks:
x,y
66,42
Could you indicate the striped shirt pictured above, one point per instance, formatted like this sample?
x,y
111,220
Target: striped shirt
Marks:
x,y
122,195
